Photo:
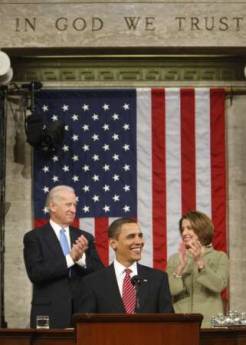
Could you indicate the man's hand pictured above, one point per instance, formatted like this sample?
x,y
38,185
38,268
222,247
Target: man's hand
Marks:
x,y
78,248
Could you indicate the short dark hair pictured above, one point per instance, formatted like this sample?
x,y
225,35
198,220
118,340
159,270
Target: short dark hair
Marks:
x,y
115,227
201,224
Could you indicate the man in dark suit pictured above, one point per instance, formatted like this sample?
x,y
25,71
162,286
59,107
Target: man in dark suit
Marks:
x,y
104,291
55,268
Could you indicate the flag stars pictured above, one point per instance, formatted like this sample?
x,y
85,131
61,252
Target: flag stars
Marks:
x,y
75,158
126,106
126,147
75,178
55,178
46,169
126,167
65,168
55,159
86,168
86,209
46,189
105,127
115,136
65,107
85,148
106,167
85,127
116,177
105,147
106,188
115,157
95,198
75,137
95,178
54,118
106,208
45,210
126,188
95,158
126,126
85,107
126,208
66,128
95,117
45,108
115,116
65,148
105,107
95,137
75,117
86,188
116,198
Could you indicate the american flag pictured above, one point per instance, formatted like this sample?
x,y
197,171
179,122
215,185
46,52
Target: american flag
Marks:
x,y
151,154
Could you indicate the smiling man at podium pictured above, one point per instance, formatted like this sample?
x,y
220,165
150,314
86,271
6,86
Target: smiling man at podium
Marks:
x,y
125,286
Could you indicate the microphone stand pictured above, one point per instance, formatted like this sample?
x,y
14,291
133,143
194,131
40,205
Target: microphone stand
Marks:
x,y
137,282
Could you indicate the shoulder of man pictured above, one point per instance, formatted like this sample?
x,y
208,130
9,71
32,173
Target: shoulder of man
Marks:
x,y
37,230
142,270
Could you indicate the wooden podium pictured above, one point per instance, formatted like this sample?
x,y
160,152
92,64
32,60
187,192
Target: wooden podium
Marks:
x,y
137,329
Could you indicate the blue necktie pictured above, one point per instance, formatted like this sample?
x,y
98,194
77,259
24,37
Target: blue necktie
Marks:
x,y
64,242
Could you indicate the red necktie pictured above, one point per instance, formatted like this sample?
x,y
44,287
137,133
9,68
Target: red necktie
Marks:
x,y
128,293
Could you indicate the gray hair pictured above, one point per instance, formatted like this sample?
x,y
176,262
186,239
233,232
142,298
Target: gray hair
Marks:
x,y
55,194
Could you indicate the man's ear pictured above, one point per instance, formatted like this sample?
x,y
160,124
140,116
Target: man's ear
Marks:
x,y
113,243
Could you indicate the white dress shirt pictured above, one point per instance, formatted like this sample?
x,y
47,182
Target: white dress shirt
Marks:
x,y
120,272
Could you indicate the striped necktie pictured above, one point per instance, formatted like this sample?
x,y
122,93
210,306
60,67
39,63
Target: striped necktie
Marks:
x,y
128,293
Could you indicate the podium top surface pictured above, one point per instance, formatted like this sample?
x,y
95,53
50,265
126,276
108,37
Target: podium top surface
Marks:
x,y
142,317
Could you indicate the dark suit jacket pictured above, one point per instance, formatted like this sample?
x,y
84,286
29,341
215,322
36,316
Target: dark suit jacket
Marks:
x,y
54,287
100,293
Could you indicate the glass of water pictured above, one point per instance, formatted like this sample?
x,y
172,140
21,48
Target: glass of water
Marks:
x,y
42,322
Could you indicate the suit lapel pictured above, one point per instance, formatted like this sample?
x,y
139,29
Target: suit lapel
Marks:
x,y
51,240
112,289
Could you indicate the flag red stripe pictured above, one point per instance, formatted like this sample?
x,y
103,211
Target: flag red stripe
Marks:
x,y
188,149
101,236
218,167
159,179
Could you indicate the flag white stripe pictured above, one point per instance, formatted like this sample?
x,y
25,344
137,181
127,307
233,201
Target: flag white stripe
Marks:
x,y
87,224
144,171
203,154
173,168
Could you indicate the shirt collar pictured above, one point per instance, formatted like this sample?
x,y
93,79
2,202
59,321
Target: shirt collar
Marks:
x,y
57,227
120,269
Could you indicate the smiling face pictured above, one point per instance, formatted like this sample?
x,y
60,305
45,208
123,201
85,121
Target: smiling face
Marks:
x,y
128,244
63,207
187,233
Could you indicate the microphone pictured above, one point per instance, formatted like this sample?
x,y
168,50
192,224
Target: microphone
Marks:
x,y
137,282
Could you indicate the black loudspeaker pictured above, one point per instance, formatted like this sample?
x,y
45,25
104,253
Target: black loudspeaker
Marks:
x,y
40,135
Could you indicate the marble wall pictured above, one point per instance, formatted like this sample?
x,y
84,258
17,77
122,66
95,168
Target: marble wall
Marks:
x,y
18,219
